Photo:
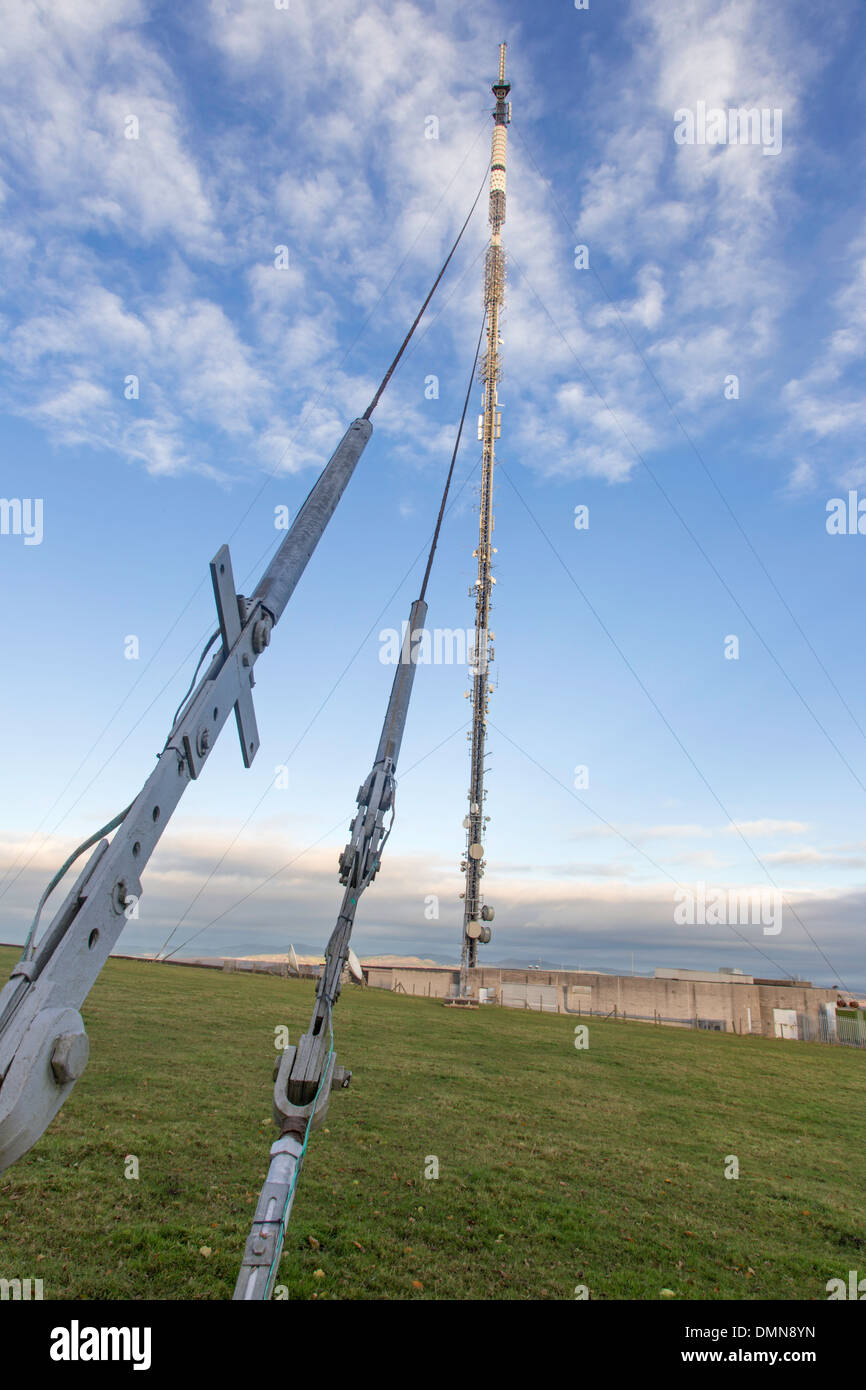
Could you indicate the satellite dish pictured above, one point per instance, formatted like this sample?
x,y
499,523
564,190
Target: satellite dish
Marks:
x,y
474,930
476,851
355,970
293,962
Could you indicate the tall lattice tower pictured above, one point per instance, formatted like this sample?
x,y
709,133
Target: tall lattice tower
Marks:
x,y
475,915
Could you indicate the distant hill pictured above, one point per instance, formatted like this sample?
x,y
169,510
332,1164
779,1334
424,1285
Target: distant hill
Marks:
x,y
528,964
316,957
408,960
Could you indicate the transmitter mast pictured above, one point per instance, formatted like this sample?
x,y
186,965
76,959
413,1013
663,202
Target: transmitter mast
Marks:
x,y
476,916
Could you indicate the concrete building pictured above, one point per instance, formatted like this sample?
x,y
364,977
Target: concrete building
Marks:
x,y
726,1001
723,1000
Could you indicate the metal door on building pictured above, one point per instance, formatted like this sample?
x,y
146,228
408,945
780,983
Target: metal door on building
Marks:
x,y
785,1023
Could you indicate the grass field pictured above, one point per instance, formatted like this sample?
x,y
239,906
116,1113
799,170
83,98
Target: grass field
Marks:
x,y
557,1167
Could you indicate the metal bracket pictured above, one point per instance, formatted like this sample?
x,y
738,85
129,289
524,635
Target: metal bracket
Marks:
x,y
231,620
312,1113
54,1049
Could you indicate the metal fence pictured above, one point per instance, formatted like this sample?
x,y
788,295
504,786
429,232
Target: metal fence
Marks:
x,y
849,1031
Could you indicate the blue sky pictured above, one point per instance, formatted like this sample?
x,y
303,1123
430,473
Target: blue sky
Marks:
x,y
154,257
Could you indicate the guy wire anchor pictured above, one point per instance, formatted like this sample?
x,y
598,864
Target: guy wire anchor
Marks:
x,y
295,1122
306,1074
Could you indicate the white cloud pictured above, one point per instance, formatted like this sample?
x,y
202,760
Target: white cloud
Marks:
x,y
825,405
767,826
816,856
357,191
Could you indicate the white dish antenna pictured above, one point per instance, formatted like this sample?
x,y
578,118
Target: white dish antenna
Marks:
x,y
355,970
293,962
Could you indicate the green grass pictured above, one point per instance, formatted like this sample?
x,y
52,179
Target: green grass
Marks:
x,y
558,1167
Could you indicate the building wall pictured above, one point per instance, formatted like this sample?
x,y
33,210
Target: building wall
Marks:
x,y
742,1007
434,983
